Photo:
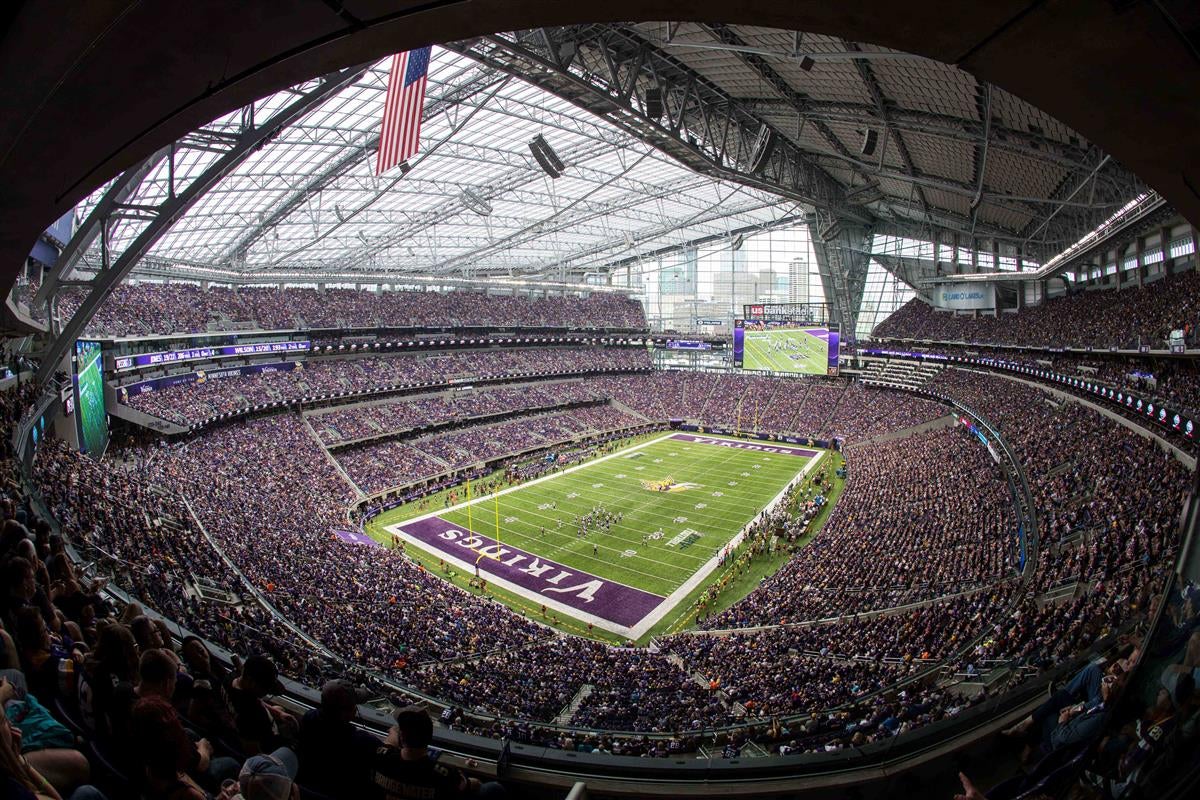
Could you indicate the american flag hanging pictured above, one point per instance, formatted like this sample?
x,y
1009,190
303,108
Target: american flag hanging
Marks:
x,y
402,110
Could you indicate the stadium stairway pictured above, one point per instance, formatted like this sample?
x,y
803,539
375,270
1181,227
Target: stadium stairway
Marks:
x,y
122,411
316,438
1058,594
810,393
564,716
624,409
972,686
804,389
901,374
933,424
833,409
712,388
550,636
701,681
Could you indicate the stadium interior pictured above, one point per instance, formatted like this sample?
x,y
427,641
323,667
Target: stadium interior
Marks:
x,y
492,398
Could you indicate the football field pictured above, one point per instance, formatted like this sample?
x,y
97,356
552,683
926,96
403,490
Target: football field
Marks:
x,y
620,540
788,350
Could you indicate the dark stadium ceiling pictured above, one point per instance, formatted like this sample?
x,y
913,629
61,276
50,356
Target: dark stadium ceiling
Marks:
x,y
664,157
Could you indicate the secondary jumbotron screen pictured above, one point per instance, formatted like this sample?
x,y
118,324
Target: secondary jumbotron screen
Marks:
x,y
91,416
783,346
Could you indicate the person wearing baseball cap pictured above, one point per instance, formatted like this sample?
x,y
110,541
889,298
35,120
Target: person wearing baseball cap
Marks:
x,y
270,776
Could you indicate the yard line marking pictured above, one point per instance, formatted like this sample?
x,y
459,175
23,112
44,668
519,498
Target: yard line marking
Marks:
x,y
717,466
702,574
536,481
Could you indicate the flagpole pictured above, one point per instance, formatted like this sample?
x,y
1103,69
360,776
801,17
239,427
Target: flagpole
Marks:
x,y
471,525
470,529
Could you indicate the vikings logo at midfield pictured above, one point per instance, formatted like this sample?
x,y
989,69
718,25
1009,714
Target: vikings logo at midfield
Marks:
x,y
668,484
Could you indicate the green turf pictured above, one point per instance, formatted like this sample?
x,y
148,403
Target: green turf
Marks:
x,y
681,617
730,487
800,352
491,481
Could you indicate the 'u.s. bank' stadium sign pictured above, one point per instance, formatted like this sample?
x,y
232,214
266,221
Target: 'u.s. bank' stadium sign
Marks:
x,y
965,296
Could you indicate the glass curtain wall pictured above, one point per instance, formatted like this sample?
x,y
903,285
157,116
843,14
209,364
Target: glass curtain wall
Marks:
x,y
882,295
703,288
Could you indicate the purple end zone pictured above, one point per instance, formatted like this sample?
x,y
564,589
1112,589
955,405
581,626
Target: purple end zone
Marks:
x,y
614,602
354,537
764,447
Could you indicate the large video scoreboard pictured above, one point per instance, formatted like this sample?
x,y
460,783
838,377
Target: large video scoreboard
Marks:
x,y
91,417
786,337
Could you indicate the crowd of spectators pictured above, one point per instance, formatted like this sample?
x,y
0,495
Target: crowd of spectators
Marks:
x,y
628,689
376,466
146,536
273,511
863,412
1163,381
790,669
136,309
927,633
1106,729
823,407
1107,502
190,403
401,414
943,530
1101,319
1107,497
102,700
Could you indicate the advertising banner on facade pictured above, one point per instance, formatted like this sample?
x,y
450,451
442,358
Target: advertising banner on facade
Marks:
x,y
964,296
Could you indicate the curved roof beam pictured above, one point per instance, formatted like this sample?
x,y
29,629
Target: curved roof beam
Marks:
x,y
606,70
237,147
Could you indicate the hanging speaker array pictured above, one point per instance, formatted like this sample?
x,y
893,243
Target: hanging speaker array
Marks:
x,y
545,156
870,141
654,103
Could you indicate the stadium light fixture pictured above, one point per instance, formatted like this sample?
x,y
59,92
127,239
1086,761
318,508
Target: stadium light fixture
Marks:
x,y
474,201
653,104
764,146
870,141
865,194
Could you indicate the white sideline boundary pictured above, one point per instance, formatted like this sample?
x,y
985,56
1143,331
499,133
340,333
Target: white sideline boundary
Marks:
x,y
699,576
669,603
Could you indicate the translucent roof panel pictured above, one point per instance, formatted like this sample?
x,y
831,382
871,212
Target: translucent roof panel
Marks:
x,y
474,201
